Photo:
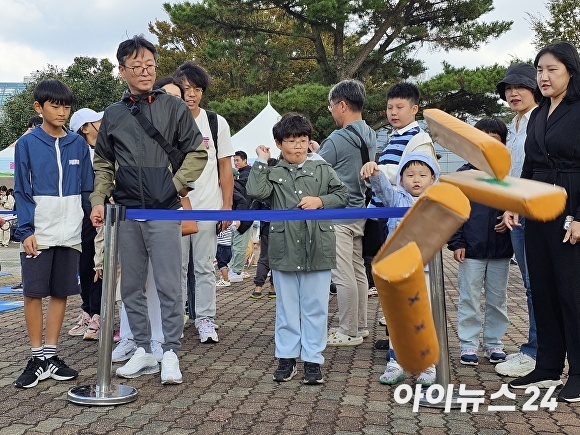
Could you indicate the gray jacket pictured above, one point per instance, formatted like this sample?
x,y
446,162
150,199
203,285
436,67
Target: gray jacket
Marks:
x,y
342,151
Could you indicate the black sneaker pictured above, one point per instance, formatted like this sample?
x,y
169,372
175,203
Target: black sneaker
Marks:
x,y
332,288
36,370
537,378
59,371
286,370
312,374
571,391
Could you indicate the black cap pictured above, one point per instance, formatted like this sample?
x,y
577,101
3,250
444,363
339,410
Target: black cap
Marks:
x,y
518,74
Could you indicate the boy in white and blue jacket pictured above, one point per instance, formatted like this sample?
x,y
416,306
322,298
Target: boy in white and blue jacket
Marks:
x,y
417,171
301,252
53,178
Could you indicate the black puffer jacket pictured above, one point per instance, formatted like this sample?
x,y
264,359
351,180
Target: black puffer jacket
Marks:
x,y
477,235
137,164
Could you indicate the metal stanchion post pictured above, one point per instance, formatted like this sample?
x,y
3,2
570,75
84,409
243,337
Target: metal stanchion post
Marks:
x,y
443,375
105,393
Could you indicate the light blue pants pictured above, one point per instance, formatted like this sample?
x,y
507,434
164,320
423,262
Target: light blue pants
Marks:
x,y
517,235
301,314
204,247
491,276
239,246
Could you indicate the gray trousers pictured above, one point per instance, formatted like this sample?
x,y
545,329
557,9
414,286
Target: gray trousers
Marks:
x,y
160,241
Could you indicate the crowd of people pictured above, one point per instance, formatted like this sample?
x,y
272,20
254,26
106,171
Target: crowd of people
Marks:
x,y
158,145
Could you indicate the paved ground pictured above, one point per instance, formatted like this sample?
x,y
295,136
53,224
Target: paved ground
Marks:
x,y
228,386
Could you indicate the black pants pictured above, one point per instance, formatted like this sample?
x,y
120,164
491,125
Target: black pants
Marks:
x,y
90,291
263,266
553,267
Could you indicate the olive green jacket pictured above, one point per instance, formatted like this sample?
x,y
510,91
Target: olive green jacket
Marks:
x,y
299,246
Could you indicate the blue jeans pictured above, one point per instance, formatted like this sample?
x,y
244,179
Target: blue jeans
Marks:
x,y
491,276
517,235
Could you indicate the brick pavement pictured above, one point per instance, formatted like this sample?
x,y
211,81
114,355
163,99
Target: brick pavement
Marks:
x,y
228,388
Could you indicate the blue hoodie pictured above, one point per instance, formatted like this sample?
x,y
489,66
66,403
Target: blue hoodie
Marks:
x,y
52,177
399,197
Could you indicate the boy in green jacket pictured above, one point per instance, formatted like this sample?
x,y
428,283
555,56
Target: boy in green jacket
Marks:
x,y
301,253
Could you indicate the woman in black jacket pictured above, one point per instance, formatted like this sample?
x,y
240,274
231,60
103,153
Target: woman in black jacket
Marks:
x,y
553,156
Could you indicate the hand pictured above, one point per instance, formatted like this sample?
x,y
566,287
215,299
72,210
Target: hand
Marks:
x,y
30,246
183,192
98,215
313,146
98,275
368,169
263,152
511,219
310,203
226,224
573,233
459,255
501,227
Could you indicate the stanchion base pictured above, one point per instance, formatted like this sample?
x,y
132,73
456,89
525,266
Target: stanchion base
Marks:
x,y
443,403
87,395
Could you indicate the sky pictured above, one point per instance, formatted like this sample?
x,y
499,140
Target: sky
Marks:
x,y
35,33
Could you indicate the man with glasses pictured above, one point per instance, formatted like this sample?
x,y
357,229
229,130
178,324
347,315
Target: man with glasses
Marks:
x,y
342,150
133,169
214,191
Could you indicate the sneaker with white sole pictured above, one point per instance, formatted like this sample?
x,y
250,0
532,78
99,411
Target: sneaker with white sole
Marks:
x,y
382,321
339,339
235,277
495,355
81,326
516,365
286,370
59,371
157,350
393,374
170,373
222,283
141,363
469,357
92,332
207,332
537,378
245,275
427,376
364,333
124,350
36,370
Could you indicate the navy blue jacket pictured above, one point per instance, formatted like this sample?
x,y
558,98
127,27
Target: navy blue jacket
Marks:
x,y
477,235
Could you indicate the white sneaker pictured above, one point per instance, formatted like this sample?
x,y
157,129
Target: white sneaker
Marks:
x,y
427,376
207,332
157,350
516,365
339,339
364,333
141,363
124,350
245,275
382,321
222,283
235,277
170,373
393,374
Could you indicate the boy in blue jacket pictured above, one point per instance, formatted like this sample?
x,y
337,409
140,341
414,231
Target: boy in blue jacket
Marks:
x,y
53,179
417,171
483,248
302,253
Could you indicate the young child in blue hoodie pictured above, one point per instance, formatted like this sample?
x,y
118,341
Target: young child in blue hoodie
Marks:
x,y
53,178
417,171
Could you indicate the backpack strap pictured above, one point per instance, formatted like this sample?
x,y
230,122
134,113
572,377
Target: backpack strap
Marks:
x,y
213,127
175,155
364,151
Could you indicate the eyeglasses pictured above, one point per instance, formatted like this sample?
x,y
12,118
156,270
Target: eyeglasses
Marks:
x,y
138,70
296,143
332,105
198,91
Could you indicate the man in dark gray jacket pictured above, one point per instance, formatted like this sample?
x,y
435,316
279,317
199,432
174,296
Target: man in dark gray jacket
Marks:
x,y
134,169
342,150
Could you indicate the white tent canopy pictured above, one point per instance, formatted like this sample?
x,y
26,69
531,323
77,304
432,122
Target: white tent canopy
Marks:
x,y
258,132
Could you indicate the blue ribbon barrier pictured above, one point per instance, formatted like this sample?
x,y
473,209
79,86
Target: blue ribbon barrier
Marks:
x,y
267,215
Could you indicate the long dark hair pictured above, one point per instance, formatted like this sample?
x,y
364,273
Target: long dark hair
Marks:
x,y
568,55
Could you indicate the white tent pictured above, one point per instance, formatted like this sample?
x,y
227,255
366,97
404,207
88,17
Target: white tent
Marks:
x,y
257,132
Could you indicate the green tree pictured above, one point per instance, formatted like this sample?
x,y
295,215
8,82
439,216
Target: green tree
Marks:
x,y
465,92
562,25
91,81
346,39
